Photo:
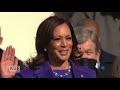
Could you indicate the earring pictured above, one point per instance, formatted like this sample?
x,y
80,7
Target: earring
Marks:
x,y
45,49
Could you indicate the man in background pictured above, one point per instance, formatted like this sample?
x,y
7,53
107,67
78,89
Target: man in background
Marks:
x,y
106,59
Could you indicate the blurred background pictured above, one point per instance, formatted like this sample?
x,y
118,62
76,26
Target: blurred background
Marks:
x,y
19,29
109,24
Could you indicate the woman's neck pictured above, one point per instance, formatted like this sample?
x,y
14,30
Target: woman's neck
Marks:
x,y
60,66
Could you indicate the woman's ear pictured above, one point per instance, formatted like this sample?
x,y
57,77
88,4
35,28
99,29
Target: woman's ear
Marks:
x,y
45,49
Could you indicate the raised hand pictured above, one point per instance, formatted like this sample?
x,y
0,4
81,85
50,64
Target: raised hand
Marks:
x,y
8,63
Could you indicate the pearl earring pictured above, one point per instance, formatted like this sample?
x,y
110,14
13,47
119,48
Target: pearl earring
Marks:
x,y
45,49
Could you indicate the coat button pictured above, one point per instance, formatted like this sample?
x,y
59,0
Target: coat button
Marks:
x,y
81,75
102,67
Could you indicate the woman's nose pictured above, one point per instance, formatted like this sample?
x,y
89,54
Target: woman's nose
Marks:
x,y
64,43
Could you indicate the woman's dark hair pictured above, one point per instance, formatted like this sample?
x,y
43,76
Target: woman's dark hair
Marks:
x,y
44,35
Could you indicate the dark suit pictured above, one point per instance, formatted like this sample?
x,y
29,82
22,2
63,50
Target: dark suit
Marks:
x,y
46,72
106,63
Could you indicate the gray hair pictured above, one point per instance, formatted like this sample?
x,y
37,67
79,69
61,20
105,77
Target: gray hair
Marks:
x,y
83,34
89,23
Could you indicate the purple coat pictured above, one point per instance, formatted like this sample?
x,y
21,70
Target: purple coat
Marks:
x,y
46,72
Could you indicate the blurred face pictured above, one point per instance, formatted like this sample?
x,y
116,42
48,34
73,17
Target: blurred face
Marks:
x,y
88,50
60,46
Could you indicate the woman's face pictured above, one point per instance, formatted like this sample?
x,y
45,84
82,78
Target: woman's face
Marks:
x,y
60,46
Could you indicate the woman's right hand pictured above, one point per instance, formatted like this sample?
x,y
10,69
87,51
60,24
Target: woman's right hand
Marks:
x,y
8,63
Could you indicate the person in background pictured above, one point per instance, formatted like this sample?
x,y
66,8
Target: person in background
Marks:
x,y
109,28
88,47
55,42
106,59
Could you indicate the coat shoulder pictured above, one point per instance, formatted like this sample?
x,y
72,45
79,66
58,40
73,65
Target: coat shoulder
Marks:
x,y
90,73
26,73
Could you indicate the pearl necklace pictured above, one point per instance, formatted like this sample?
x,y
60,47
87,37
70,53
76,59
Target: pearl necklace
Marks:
x,y
62,75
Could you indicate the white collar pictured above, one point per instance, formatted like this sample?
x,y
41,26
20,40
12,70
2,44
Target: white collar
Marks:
x,y
97,65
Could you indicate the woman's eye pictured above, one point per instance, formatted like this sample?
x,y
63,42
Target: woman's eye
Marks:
x,y
56,39
69,38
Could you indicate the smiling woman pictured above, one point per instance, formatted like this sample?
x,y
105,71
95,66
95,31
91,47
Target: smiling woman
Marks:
x,y
55,41
18,29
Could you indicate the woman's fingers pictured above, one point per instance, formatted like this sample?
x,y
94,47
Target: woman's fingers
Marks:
x,y
16,65
15,62
6,54
9,64
9,52
3,56
12,54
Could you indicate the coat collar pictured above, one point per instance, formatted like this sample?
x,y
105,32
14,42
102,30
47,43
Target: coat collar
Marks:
x,y
79,71
45,71
106,57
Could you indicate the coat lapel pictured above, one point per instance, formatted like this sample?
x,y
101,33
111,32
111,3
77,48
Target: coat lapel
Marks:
x,y
44,72
78,71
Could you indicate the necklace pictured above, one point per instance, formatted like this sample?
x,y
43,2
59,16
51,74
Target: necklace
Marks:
x,y
62,75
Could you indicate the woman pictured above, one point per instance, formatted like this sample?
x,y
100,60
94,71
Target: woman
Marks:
x,y
55,42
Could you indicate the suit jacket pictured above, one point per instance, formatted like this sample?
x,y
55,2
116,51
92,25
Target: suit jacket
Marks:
x,y
46,72
106,64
